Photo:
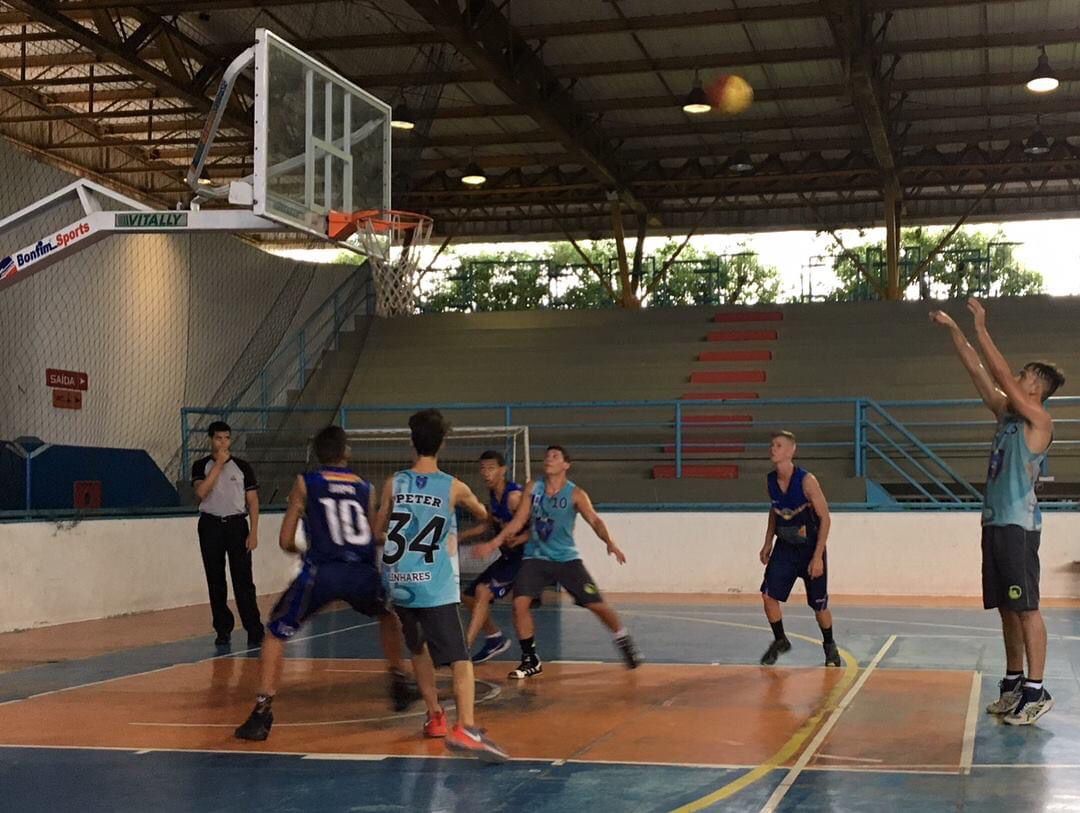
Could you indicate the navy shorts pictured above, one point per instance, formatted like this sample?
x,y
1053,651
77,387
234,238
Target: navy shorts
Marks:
x,y
359,585
789,563
498,576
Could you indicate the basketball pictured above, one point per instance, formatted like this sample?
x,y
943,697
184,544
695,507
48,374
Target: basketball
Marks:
x,y
730,94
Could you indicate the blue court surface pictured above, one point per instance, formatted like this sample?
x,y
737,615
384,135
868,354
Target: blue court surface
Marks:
x,y
700,726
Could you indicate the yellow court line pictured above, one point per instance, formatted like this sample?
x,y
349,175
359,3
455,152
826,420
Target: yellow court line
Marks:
x,y
794,743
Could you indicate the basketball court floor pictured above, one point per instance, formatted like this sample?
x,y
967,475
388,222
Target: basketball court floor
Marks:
x,y
137,713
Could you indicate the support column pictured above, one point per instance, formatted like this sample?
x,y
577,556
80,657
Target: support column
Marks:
x,y
893,290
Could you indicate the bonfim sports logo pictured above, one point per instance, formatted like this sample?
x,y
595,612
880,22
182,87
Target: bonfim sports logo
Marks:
x,y
8,267
12,265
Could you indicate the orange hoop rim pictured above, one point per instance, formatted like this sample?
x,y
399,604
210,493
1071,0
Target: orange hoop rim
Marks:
x,y
380,221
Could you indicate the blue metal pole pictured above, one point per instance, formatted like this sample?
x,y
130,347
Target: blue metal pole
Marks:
x,y
343,417
860,456
678,441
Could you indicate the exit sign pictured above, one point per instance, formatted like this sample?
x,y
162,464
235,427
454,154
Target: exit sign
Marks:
x,y
67,380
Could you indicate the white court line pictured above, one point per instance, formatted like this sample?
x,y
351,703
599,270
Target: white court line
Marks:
x,y
850,759
892,621
967,752
808,753
175,665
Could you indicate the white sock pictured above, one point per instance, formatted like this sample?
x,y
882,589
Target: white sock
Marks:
x,y
1036,685
494,635
620,633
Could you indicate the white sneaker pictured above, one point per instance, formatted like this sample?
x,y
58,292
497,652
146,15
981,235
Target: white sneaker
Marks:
x,y
1031,710
1009,700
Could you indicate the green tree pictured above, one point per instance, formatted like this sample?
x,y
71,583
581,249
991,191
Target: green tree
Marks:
x,y
970,263
563,278
510,280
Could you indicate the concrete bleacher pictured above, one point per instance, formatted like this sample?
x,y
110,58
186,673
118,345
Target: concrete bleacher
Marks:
x,y
884,351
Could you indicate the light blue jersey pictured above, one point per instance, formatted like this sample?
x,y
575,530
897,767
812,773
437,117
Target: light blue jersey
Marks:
x,y
1010,481
552,534
421,542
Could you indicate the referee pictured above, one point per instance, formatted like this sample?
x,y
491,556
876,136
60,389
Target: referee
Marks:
x,y
227,493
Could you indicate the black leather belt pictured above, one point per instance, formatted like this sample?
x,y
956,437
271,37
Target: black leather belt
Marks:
x,y
224,519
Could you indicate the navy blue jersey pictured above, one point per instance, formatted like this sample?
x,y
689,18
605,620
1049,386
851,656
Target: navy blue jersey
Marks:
x,y
500,515
796,520
336,519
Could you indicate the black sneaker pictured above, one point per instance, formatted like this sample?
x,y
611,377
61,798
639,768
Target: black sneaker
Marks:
x,y
629,652
256,727
832,654
255,639
775,650
223,639
530,665
403,691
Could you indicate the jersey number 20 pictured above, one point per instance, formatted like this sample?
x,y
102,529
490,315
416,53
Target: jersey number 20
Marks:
x,y
347,521
420,543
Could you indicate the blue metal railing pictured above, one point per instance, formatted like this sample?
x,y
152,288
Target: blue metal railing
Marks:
x,y
870,435
287,369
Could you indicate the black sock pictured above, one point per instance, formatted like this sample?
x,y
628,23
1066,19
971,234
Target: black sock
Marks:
x,y
826,635
263,702
528,647
778,629
1013,680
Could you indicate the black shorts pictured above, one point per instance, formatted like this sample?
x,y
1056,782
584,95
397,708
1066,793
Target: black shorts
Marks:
x,y
320,584
1010,568
536,574
789,563
438,627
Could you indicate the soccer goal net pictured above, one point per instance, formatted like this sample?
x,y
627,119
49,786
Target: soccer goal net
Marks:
x,y
378,453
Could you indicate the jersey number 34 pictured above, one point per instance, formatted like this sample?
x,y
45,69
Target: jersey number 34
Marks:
x,y
425,542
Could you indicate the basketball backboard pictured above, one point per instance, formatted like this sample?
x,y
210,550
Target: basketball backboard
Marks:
x,y
321,142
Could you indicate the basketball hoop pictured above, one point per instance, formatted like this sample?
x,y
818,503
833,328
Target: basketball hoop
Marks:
x,y
393,241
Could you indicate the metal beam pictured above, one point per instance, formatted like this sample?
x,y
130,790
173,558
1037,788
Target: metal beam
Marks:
x,y
123,54
488,41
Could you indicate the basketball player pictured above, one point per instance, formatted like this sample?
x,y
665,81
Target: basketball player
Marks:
x,y
498,578
339,565
1011,520
551,557
417,515
794,548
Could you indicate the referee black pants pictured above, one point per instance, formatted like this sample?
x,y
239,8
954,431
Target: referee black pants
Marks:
x,y
219,538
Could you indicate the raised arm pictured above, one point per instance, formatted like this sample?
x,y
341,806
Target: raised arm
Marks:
x,y
812,489
994,398
1003,375
584,507
295,510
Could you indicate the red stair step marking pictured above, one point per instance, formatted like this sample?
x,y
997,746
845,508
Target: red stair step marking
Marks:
x,y
703,448
735,355
749,316
710,419
719,396
742,336
727,376
719,472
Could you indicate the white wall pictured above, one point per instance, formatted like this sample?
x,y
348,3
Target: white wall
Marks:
x,y
102,568
912,553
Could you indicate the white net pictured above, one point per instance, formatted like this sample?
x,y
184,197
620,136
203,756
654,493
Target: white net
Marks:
x,y
394,243
378,453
